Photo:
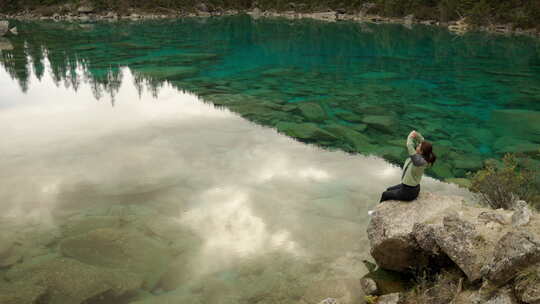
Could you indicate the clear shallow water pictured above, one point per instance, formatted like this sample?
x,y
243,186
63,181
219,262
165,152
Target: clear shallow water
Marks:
x,y
354,87
175,199
108,161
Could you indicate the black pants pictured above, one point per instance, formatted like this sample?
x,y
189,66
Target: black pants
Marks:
x,y
401,192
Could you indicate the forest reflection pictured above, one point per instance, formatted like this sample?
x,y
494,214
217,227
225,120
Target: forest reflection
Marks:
x,y
218,51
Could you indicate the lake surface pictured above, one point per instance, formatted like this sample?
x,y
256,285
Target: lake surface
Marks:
x,y
146,157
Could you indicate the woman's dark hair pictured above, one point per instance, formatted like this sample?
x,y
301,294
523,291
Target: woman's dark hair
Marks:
x,y
427,152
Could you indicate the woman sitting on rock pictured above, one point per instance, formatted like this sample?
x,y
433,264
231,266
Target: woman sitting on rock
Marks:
x,y
413,169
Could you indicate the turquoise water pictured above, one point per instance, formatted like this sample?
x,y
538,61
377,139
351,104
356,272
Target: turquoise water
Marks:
x,y
354,87
141,163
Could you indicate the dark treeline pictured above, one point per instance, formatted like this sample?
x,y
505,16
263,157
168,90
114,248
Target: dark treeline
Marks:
x,y
520,13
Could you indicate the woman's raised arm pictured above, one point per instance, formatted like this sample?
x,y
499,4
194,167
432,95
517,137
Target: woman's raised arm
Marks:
x,y
411,144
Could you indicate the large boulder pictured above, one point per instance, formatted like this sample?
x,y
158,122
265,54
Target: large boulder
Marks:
x,y
460,241
393,245
515,251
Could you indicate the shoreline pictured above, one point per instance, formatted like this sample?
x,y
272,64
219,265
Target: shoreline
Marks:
x,y
459,27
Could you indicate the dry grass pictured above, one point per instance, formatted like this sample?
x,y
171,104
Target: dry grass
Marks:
x,y
528,279
442,288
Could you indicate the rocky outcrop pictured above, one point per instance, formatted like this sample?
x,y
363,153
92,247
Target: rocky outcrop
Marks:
x,y
393,243
491,246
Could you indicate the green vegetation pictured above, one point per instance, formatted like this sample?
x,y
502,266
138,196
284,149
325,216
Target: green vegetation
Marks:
x,y
520,13
500,184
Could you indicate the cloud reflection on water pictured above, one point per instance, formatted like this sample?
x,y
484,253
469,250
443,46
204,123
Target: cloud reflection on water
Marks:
x,y
245,190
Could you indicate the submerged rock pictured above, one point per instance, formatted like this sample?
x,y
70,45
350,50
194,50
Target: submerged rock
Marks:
x,y
348,116
22,293
67,281
305,131
125,249
358,141
312,112
384,123
10,252
510,144
522,122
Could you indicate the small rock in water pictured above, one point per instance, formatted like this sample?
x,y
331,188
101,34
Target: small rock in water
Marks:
x,y
14,31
